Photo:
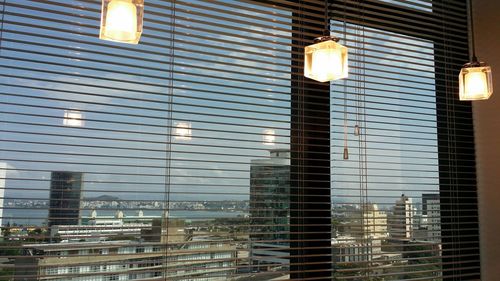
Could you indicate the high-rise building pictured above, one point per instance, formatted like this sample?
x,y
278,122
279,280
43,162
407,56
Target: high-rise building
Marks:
x,y
65,198
425,198
368,221
402,221
432,206
3,178
270,209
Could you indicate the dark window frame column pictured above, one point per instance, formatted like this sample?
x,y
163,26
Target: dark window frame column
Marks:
x,y
310,215
457,168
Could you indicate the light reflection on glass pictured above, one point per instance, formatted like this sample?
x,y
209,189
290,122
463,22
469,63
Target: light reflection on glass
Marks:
x,y
183,131
269,137
73,118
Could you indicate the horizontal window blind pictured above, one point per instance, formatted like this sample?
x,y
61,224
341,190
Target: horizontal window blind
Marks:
x,y
202,153
164,160
397,129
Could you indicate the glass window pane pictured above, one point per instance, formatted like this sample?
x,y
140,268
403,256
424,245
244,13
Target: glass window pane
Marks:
x,y
385,196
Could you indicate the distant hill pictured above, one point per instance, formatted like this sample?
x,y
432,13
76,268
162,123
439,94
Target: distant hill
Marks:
x,y
102,198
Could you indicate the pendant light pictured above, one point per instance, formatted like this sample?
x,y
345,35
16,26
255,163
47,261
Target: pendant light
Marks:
x,y
325,60
121,20
475,79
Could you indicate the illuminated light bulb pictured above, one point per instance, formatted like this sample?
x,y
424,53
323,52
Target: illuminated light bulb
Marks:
x,y
475,83
121,20
326,60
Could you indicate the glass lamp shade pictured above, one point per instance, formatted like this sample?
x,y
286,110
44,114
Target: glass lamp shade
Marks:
x,y
325,61
121,20
475,82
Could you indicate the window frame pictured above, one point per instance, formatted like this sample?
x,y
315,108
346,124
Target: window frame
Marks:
x,y
457,173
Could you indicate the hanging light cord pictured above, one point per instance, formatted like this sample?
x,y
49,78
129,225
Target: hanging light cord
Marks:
x,y
346,149
471,20
1,25
168,163
326,32
327,29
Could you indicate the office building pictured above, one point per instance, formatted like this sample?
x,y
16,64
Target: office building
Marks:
x,y
432,206
269,209
3,179
190,256
426,197
368,221
65,198
205,258
402,222
349,249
